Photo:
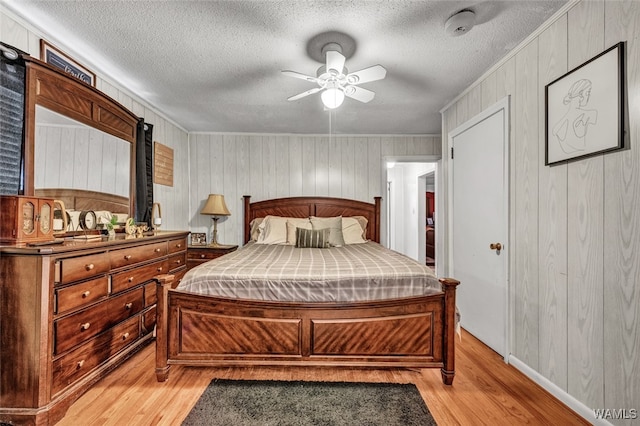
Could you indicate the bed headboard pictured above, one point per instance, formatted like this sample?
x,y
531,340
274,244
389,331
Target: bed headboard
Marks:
x,y
80,199
313,206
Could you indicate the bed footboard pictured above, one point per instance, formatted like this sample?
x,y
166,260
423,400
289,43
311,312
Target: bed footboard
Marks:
x,y
416,332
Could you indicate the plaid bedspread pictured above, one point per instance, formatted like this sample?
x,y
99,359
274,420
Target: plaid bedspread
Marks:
x,y
356,272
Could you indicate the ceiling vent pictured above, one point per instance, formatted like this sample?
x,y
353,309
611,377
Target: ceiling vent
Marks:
x,y
460,23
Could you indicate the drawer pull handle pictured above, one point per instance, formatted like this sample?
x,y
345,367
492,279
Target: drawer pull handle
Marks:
x,y
89,266
130,279
178,261
157,250
202,256
79,364
178,245
159,269
86,294
127,257
128,305
125,336
85,326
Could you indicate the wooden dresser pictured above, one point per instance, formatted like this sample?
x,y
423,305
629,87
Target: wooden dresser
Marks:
x,y
70,313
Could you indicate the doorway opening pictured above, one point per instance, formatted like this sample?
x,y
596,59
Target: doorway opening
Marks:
x,y
410,208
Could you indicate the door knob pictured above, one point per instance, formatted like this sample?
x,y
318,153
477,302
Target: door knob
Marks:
x,y
496,246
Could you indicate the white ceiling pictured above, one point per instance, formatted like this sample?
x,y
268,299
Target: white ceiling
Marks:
x,y
215,65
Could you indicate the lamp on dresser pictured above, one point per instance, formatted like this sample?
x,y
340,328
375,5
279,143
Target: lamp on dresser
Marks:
x,y
216,207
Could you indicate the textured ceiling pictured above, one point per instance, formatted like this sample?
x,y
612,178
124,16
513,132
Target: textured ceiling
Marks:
x,y
215,65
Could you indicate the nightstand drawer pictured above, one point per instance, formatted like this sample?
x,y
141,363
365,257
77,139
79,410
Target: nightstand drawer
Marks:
x,y
203,255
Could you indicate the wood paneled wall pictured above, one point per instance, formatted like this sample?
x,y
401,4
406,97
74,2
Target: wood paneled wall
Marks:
x,y
174,200
271,166
575,228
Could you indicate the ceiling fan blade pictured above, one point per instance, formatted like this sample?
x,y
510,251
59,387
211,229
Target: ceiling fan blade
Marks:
x,y
335,61
303,94
300,76
359,94
376,72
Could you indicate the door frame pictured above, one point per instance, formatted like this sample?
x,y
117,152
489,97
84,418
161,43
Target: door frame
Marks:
x,y
504,105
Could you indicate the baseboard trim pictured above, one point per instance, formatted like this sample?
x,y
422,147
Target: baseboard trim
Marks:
x,y
557,392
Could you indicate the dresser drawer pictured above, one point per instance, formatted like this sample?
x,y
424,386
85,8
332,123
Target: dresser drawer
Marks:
x,y
177,245
80,268
150,294
177,261
132,277
78,295
148,320
128,304
77,363
132,255
74,329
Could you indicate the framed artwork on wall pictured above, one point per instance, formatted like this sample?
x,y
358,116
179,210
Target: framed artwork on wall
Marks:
x,y
584,108
58,59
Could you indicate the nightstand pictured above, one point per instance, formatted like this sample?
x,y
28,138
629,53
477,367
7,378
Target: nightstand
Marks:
x,y
200,254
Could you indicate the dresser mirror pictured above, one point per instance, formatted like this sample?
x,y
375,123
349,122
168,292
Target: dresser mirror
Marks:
x,y
79,143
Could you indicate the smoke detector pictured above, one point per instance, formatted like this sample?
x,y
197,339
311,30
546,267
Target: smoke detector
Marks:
x,y
460,23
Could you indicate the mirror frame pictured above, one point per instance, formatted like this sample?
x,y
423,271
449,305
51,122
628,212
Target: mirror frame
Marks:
x,y
54,89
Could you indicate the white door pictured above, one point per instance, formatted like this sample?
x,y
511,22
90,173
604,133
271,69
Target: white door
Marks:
x,y
479,221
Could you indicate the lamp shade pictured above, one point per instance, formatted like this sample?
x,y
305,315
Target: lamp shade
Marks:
x,y
216,206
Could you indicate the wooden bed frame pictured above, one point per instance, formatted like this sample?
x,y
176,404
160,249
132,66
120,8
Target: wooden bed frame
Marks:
x,y
415,332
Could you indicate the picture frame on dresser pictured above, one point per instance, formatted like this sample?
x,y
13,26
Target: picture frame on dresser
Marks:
x,y
198,239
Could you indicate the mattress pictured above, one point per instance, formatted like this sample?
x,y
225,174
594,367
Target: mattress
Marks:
x,y
356,272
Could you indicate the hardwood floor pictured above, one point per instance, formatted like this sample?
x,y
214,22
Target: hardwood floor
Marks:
x,y
485,391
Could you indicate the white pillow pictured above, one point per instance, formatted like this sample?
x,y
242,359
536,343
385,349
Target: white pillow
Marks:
x,y
352,231
273,229
291,229
335,226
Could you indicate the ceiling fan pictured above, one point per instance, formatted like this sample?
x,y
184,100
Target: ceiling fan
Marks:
x,y
336,82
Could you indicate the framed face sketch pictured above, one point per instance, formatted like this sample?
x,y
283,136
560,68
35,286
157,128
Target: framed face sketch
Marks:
x,y
584,109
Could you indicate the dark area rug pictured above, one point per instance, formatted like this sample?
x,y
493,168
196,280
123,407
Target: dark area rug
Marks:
x,y
261,403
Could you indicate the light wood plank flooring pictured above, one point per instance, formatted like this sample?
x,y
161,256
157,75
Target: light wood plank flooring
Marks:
x,y
484,391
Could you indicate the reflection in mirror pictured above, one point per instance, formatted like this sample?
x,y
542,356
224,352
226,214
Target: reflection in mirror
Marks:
x,y
69,154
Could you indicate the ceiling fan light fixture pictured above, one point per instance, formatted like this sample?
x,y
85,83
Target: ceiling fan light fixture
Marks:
x,y
332,97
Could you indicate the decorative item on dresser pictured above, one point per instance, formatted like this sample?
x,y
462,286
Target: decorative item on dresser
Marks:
x,y
216,207
197,255
73,312
25,219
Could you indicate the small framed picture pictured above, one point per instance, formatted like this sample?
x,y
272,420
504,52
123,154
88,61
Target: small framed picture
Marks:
x,y
58,59
430,221
198,239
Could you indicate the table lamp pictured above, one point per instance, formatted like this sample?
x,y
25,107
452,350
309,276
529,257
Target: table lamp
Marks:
x,y
216,207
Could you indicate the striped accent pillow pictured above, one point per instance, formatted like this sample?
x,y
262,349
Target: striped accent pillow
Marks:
x,y
312,238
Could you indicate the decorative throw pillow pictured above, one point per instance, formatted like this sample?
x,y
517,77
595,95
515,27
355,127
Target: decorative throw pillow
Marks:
x,y
312,238
335,226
